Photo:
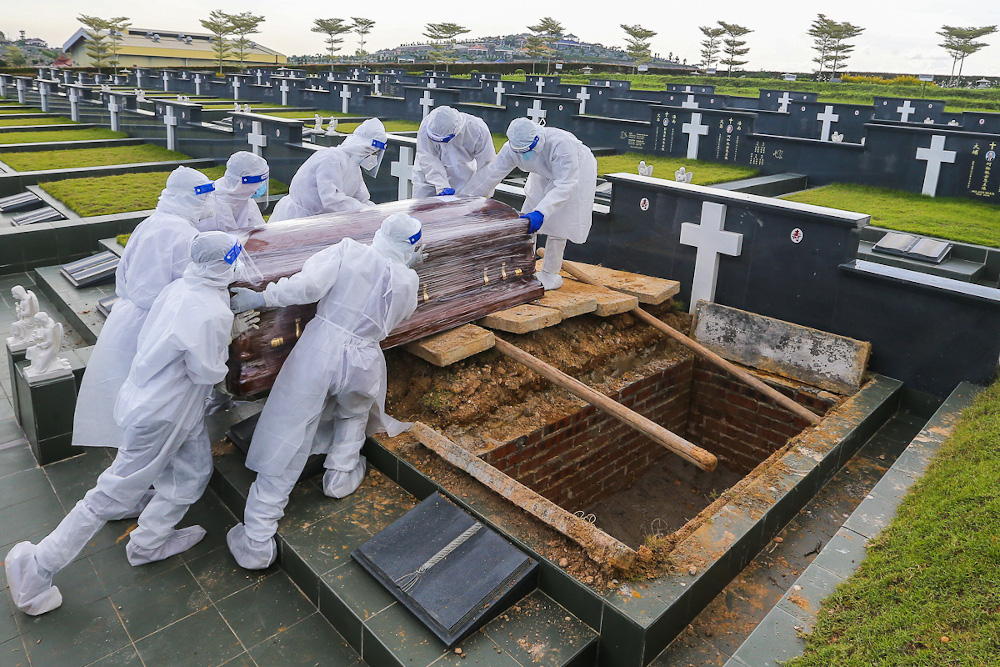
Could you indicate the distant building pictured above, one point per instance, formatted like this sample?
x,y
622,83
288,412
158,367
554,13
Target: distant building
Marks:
x,y
164,48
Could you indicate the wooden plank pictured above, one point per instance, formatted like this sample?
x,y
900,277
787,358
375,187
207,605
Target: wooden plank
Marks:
x,y
522,319
609,302
446,348
568,302
647,289
599,545
824,360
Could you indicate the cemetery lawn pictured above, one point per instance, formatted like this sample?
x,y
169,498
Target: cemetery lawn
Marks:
x,y
59,135
928,591
705,173
48,120
952,218
306,115
390,126
17,109
123,193
89,157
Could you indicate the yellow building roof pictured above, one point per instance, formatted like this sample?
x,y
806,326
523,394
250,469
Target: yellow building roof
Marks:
x,y
173,45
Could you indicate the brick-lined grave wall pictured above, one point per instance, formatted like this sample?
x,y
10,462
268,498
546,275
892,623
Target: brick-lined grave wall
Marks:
x,y
588,454
737,424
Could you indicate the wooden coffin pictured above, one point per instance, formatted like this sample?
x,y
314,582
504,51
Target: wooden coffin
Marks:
x,y
480,260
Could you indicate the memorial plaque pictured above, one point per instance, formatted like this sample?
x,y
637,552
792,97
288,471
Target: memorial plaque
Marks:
x,y
451,571
914,247
44,214
93,270
20,202
480,260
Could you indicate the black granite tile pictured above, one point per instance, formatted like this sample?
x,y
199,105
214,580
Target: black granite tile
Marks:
x,y
201,639
73,635
157,602
268,608
220,576
311,641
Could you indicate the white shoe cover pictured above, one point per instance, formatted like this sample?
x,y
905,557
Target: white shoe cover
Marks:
x,y
30,585
548,280
178,542
140,506
340,484
250,554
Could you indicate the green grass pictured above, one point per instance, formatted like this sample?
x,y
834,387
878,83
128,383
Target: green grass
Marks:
x,y
932,574
705,173
499,139
50,120
390,126
951,218
307,115
89,157
18,109
123,193
59,135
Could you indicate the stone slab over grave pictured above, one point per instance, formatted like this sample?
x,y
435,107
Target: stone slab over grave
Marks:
x,y
446,348
825,360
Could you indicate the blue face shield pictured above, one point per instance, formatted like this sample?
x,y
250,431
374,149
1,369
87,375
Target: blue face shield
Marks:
x,y
528,152
204,189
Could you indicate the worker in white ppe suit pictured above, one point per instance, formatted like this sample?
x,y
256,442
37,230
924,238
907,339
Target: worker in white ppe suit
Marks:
x,y
236,194
156,254
330,393
181,353
559,194
331,181
451,147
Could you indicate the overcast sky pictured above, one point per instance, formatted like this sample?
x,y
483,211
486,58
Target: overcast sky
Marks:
x,y
900,35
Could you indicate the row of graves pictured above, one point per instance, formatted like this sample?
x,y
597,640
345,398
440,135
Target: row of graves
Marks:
x,y
610,504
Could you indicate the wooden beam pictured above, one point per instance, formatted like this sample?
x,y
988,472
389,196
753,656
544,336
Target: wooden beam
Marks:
x,y
599,545
675,443
772,393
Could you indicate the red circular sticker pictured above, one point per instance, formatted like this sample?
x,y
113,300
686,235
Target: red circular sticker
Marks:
x,y
796,235
644,204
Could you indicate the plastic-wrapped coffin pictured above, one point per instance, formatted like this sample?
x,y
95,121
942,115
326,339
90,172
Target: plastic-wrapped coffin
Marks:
x,y
480,260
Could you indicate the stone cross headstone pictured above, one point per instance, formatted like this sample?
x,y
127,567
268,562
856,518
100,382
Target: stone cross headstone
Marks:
x,y
687,89
539,85
828,118
257,139
711,240
403,170
113,108
236,87
197,84
689,103
537,113
426,102
138,78
431,84
377,81
784,101
166,81
20,91
260,78
935,156
695,131
499,90
65,76
170,120
345,94
583,96
905,111
43,94
74,104
79,77
284,93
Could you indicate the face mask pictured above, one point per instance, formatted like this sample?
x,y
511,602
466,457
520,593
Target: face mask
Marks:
x,y
261,191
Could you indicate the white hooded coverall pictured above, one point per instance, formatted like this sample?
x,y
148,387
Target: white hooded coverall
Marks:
x,y
156,254
451,164
330,391
235,209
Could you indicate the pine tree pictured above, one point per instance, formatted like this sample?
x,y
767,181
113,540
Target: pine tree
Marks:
x,y
245,23
333,29
96,39
116,35
549,31
221,27
734,47
961,43
443,36
710,45
637,43
362,27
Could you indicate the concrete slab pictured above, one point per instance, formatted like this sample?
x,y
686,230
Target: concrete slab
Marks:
x,y
609,302
647,289
446,348
568,302
522,319
825,360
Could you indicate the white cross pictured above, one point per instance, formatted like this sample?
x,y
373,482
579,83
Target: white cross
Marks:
x,y
499,90
236,87
403,170
284,93
687,89
260,78
197,84
784,101
66,76
257,138
20,91
330,78
711,240
536,112
113,108
79,77
583,96
377,80
539,84
905,111
426,102
138,78
695,130
828,118
935,156
431,84
166,78
170,120
43,93
74,104
689,103
345,95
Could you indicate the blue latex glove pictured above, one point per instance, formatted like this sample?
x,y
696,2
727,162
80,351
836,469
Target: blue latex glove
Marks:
x,y
447,191
245,299
535,219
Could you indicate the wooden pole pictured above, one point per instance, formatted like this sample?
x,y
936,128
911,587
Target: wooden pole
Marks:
x,y
675,443
772,393
599,545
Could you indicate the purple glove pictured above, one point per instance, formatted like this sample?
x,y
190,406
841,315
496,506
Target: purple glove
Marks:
x,y
447,191
535,219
